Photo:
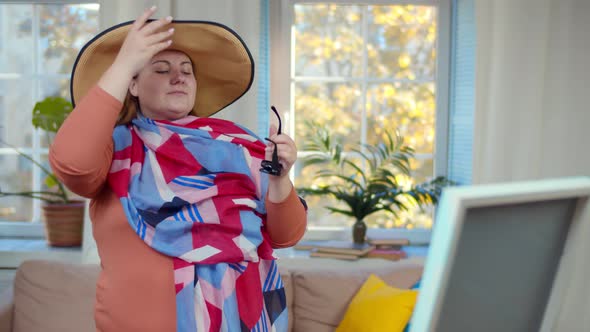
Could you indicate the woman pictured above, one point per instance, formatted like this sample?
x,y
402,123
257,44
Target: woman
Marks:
x,y
198,255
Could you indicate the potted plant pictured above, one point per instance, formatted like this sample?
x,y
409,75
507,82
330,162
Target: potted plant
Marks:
x,y
62,215
366,179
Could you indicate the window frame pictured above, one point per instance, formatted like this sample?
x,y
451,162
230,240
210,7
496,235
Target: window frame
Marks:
x,y
34,228
281,93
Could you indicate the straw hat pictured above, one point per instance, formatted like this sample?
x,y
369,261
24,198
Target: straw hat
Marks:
x,y
224,67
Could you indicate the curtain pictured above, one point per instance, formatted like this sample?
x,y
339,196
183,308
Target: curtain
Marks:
x,y
530,92
531,111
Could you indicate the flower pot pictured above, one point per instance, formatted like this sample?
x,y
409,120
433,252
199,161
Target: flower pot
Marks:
x,y
359,230
64,223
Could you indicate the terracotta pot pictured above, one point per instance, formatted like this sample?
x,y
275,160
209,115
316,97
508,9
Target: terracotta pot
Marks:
x,y
359,230
64,223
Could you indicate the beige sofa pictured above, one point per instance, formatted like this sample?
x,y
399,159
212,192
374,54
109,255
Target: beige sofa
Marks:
x,y
56,297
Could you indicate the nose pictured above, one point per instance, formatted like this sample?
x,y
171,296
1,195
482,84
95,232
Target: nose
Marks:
x,y
177,77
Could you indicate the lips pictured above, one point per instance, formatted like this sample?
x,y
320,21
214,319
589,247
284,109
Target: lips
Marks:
x,y
178,92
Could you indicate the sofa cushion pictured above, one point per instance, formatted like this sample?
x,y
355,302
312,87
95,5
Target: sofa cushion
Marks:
x,y
378,307
323,287
50,296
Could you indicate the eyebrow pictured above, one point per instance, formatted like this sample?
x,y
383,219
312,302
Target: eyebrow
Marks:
x,y
168,62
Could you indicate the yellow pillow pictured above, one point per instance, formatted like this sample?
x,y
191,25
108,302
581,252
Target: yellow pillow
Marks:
x,y
378,307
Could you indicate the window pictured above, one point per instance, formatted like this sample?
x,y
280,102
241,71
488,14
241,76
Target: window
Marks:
x,y
38,46
359,69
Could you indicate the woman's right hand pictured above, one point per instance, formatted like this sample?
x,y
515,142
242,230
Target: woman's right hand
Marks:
x,y
143,41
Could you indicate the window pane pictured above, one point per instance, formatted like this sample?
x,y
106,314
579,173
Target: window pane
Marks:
x,y
64,29
53,88
43,178
16,39
15,112
332,105
407,107
318,215
384,59
401,42
328,40
15,177
422,170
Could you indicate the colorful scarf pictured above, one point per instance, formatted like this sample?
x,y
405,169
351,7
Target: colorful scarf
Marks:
x,y
192,190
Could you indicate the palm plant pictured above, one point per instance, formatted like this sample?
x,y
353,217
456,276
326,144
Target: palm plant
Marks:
x,y
369,186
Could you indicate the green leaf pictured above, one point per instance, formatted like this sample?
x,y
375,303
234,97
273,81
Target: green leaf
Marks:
x,y
50,182
50,113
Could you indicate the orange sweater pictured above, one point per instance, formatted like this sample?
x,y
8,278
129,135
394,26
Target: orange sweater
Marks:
x,y
135,289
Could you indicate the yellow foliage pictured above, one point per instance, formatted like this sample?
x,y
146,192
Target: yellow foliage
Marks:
x,y
404,61
389,91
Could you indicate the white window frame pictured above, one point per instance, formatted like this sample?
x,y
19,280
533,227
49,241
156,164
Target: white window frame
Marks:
x,y
35,228
281,93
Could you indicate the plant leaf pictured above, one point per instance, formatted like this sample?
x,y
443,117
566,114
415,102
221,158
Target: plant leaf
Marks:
x,y
50,182
50,113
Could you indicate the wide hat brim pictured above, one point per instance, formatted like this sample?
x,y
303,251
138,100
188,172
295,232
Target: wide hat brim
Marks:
x,y
224,68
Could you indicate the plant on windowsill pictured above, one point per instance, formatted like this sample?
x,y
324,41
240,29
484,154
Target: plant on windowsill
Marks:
x,y
62,215
366,179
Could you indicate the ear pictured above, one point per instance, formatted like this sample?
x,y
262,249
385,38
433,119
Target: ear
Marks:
x,y
133,87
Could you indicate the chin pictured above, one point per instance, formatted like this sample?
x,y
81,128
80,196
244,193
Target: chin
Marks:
x,y
177,114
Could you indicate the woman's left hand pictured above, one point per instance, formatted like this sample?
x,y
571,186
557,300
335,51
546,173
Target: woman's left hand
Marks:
x,y
286,149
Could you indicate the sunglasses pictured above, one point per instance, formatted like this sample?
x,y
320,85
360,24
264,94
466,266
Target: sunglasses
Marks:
x,y
273,167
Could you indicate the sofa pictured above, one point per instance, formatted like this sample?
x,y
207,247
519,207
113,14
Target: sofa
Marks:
x,y
51,296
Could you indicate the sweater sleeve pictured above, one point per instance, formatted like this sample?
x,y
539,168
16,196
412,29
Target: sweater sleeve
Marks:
x,y
81,153
286,221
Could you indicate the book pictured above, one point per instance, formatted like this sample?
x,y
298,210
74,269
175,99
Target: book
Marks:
x,y
388,242
316,253
336,246
390,254
308,245
386,246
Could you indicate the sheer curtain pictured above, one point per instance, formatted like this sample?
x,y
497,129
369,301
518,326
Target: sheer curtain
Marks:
x,y
531,112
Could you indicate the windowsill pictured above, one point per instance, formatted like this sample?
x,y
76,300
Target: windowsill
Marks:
x,y
417,237
413,251
15,251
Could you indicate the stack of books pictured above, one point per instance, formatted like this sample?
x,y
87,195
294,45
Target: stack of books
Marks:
x,y
336,249
390,249
382,243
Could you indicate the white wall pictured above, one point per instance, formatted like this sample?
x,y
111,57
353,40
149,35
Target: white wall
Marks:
x,y
531,114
